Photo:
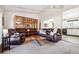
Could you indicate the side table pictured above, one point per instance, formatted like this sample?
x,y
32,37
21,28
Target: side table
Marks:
x,y
5,43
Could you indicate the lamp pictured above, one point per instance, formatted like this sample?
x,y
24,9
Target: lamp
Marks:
x,y
18,22
28,30
5,32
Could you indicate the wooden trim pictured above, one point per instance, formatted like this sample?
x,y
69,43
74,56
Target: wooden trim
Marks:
x,y
72,35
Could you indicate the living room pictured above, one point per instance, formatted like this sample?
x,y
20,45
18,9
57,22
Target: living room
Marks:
x,y
41,26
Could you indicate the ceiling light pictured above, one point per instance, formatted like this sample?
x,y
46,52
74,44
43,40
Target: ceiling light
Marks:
x,y
56,6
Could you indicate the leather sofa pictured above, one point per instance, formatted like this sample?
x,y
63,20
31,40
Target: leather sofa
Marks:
x,y
53,38
16,38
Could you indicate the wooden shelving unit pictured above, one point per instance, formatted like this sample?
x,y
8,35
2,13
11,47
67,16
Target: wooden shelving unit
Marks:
x,y
25,22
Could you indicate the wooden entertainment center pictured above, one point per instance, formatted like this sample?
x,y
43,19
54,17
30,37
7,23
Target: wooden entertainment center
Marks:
x,y
25,24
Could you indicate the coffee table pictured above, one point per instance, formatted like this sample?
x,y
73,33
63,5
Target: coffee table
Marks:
x,y
40,40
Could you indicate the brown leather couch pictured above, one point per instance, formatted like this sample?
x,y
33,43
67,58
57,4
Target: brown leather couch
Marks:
x,y
16,37
53,38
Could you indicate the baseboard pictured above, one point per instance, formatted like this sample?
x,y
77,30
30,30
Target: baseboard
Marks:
x,y
72,35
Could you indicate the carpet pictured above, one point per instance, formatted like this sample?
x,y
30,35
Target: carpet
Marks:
x,y
61,47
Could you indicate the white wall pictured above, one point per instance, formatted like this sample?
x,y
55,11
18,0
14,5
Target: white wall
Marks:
x,y
58,21
0,26
74,12
57,18
71,15
9,18
49,23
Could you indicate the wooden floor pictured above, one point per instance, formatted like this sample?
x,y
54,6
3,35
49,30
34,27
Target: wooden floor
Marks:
x,y
40,40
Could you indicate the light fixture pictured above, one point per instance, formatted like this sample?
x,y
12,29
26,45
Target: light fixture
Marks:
x,y
5,32
56,6
28,30
18,22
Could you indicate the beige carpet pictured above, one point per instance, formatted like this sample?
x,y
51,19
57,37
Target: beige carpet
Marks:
x,y
61,47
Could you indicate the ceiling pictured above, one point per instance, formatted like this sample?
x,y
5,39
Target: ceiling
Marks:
x,y
37,9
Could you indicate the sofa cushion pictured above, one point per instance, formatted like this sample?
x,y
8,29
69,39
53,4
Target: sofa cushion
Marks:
x,y
42,32
52,33
16,33
15,39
